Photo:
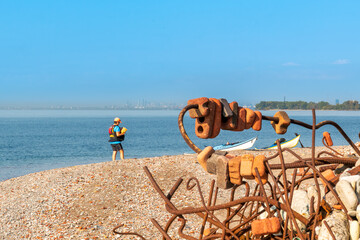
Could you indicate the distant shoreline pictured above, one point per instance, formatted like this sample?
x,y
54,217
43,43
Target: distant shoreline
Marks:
x,y
306,110
88,108
302,105
165,109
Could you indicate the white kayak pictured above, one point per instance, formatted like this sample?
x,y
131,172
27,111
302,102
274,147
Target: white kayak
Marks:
x,y
237,146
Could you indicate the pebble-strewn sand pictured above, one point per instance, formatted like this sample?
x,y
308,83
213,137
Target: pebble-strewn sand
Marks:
x,y
88,201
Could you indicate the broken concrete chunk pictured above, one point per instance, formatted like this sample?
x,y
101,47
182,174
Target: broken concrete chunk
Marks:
x,y
329,176
300,204
222,173
211,163
222,153
331,199
338,224
234,170
246,166
265,226
259,164
312,191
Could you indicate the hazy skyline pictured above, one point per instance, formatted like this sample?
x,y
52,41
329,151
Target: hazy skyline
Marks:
x,y
104,53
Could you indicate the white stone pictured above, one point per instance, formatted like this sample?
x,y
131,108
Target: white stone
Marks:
x,y
338,224
346,173
301,204
358,212
347,195
357,189
351,179
352,213
313,192
357,163
354,230
265,213
331,199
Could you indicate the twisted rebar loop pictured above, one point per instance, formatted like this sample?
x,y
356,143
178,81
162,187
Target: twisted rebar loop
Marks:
x,y
272,199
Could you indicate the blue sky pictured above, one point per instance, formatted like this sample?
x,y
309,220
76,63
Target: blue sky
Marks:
x,y
110,52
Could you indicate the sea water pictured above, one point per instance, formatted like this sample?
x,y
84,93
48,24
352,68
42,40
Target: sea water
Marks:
x,y
37,140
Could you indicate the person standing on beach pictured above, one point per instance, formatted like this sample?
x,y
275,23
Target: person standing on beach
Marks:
x,y
117,134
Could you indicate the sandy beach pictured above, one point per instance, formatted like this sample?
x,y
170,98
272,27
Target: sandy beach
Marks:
x,y
88,201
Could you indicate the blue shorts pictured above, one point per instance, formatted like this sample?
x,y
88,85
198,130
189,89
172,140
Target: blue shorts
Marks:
x,y
117,147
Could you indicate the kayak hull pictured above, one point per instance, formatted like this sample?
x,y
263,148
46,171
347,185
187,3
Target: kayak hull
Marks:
x,y
287,144
237,146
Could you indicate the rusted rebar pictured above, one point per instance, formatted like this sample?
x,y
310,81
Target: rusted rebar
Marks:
x,y
272,200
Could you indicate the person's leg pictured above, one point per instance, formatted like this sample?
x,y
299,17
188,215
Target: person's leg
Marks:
x,y
114,155
122,154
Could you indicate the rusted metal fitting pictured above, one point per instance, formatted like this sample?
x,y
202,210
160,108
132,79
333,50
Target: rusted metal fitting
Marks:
x,y
267,208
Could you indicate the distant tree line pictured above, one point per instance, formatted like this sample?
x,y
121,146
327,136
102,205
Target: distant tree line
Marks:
x,y
301,105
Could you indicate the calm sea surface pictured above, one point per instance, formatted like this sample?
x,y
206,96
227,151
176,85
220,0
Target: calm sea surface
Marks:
x,y
32,141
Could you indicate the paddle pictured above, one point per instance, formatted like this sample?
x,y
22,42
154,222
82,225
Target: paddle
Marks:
x,y
299,140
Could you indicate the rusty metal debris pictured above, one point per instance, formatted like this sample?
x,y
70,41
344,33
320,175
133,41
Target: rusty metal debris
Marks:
x,y
265,211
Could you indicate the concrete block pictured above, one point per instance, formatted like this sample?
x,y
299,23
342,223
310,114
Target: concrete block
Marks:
x,y
222,173
234,170
259,164
265,226
329,176
246,166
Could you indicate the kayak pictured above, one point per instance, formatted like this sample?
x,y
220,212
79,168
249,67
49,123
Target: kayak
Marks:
x,y
237,145
286,144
